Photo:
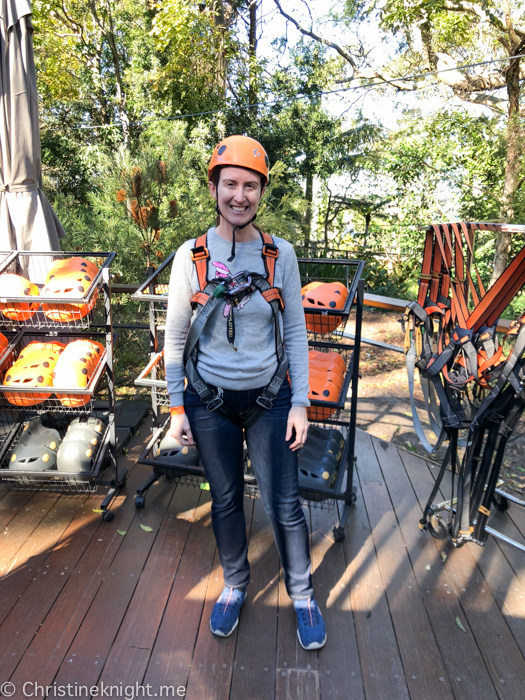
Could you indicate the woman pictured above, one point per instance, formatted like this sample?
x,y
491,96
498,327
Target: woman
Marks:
x,y
245,291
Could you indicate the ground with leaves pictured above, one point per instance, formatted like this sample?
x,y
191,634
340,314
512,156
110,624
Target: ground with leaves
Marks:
x,y
384,405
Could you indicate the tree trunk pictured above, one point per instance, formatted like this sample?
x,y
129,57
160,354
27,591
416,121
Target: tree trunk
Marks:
x,y
309,196
252,50
512,169
220,24
368,218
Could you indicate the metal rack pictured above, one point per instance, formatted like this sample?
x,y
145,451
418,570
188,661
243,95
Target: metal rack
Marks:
x,y
342,412
57,404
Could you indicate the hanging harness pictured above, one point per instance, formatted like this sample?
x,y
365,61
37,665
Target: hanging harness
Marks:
x,y
467,381
233,289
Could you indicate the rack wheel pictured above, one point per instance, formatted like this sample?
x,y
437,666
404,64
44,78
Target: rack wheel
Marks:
x,y
437,528
500,502
338,533
107,516
140,501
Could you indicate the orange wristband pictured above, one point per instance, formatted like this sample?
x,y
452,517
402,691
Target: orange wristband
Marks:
x,y
176,410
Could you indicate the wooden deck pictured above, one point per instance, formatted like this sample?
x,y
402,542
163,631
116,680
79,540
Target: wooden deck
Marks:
x,y
81,604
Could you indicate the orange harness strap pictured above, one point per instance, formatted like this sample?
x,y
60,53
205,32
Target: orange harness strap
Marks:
x,y
200,256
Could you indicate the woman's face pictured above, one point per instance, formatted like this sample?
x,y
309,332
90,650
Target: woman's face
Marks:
x,y
238,194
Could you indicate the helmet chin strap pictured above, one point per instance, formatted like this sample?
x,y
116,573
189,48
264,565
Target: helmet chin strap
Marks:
x,y
232,256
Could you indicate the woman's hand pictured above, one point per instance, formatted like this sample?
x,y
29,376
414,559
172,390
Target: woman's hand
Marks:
x,y
180,429
297,419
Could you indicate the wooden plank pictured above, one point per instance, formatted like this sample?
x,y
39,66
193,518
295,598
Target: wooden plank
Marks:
x,y
129,655
89,650
339,667
48,573
424,667
11,504
424,557
466,669
22,526
255,660
297,669
381,665
211,670
499,650
172,654
43,657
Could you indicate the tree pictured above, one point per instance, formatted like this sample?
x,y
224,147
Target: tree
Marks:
x,y
444,34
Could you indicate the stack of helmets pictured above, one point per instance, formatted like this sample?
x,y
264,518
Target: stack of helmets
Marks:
x,y
75,368
170,450
319,458
36,450
69,277
34,367
327,373
17,286
80,445
323,296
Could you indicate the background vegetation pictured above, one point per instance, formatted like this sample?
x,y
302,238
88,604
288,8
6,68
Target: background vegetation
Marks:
x,y
134,94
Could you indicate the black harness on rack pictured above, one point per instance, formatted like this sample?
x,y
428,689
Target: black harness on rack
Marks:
x,y
455,347
233,290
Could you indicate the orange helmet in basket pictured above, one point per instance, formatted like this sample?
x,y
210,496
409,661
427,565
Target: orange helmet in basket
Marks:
x,y
71,283
323,296
63,265
23,374
16,286
4,343
327,361
240,151
75,368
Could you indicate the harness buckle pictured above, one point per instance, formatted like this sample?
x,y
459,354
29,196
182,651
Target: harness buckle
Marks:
x,y
215,403
264,402
271,250
200,253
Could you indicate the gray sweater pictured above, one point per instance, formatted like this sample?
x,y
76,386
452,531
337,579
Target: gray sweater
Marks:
x,y
254,363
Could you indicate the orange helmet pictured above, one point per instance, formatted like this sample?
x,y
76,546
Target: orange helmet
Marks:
x,y
4,343
73,283
35,374
243,152
75,368
327,370
327,361
323,296
72,264
17,286
41,352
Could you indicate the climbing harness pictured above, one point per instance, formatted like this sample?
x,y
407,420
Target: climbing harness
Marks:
x,y
233,289
471,382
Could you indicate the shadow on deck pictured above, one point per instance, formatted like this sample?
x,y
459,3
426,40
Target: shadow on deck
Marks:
x,y
88,603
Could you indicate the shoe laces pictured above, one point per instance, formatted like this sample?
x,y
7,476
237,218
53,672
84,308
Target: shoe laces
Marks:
x,y
309,613
229,600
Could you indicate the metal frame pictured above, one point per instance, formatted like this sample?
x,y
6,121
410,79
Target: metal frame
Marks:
x,y
54,480
340,492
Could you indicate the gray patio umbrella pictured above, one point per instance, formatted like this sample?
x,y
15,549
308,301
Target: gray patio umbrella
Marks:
x,y
27,221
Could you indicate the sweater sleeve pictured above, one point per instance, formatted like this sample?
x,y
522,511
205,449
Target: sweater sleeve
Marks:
x,y
178,322
294,328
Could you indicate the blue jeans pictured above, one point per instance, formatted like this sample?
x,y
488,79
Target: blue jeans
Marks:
x,y
220,446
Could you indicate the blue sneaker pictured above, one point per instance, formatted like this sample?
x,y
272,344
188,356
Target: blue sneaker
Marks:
x,y
225,614
310,624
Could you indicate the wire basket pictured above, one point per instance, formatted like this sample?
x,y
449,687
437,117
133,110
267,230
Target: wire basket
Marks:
x,y
50,480
47,398
153,376
322,322
155,292
55,311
